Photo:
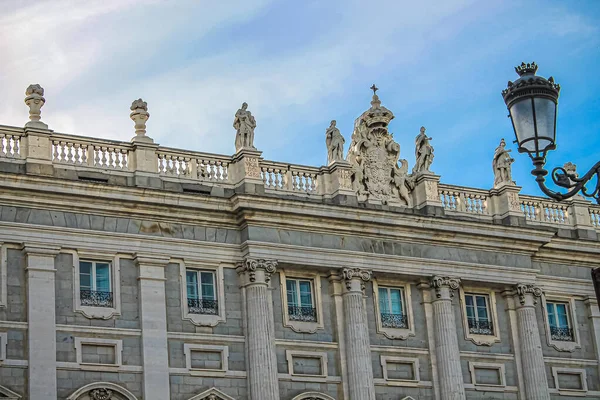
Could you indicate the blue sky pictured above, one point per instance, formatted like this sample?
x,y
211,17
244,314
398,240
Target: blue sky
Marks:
x,y
438,64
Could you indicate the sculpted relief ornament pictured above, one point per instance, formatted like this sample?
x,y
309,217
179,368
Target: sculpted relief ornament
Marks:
x,y
501,165
335,143
244,123
377,172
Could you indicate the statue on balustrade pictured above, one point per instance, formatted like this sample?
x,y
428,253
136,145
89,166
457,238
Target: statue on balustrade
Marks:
x,y
244,123
335,143
423,153
374,157
501,165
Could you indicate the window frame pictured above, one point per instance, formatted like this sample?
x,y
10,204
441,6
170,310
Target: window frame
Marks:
x,y
479,339
3,346
199,287
384,360
187,352
574,371
315,279
561,345
116,343
219,287
322,356
487,386
394,333
113,260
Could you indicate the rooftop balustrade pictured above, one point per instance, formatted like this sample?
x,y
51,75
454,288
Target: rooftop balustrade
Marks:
x,y
35,143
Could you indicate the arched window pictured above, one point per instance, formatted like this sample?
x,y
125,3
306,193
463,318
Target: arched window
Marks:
x,y
102,391
313,396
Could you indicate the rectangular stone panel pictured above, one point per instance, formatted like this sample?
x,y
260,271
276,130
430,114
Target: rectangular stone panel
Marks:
x,y
400,370
487,376
307,365
206,359
98,354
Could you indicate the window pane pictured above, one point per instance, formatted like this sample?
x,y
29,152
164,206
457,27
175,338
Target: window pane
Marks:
x,y
102,277
396,297
292,295
480,301
85,281
384,301
85,267
469,300
305,294
482,313
207,277
551,315
562,315
470,312
192,284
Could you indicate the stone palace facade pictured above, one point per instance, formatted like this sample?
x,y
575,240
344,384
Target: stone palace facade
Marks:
x,y
129,270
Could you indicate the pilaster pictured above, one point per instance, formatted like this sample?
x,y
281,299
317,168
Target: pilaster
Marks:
x,y
428,307
41,315
426,192
360,369
446,343
514,334
532,358
153,319
255,275
593,314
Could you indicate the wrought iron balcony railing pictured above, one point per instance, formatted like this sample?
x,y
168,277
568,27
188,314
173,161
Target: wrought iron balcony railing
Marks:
x,y
203,306
94,298
562,334
304,314
394,321
481,327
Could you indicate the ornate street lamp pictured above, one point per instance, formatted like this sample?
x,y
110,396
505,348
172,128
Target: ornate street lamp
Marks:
x,y
532,103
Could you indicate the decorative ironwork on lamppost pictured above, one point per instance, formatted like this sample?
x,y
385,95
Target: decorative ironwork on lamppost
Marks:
x,y
532,104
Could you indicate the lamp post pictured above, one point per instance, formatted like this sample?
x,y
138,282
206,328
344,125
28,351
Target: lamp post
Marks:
x,y
532,104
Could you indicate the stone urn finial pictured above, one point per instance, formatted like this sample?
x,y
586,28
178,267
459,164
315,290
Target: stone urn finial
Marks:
x,y
139,115
34,98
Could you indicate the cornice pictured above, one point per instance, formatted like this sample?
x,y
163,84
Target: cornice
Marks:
x,y
581,253
384,263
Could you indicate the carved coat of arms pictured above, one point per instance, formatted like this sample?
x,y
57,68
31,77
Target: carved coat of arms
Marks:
x,y
378,172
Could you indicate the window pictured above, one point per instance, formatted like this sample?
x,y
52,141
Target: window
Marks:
x,y
300,300
480,319
391,308
559,321
95,289
301,303
478,314
201,293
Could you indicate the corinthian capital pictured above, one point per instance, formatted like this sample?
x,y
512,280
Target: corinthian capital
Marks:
x,y
251,265
350,274
524,289
439,282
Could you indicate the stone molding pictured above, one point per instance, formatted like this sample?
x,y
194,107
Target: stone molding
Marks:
x,y
101,391
350,274
523,289
211,394
562,345
439,282
7,394
394,333
480,340
250,266
313,396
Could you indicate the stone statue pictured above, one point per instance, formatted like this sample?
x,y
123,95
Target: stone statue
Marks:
x,y
335,143
423,153
374,156
501,165
244,123
401,181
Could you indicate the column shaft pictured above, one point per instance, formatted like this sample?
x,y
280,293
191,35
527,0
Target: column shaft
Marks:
x,y
153,316
358,350
260,334
446,343
532,358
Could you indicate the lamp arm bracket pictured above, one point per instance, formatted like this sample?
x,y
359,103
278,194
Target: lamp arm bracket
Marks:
x,y
575,184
